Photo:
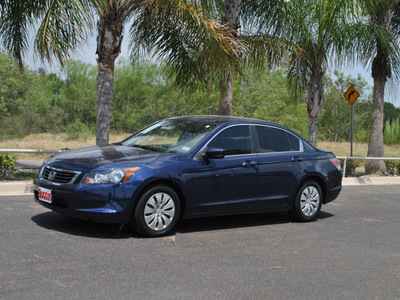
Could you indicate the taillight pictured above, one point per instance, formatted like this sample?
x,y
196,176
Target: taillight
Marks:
x,y
336,162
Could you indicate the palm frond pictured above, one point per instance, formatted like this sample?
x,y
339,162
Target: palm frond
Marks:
x,y
64,26
265,50
298,71
195,48
16,18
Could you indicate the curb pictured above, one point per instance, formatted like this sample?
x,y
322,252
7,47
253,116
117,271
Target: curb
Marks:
x,y
370,180
18,188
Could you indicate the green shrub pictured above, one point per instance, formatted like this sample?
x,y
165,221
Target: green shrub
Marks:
x,y
391,166
351,165
7,164
78,130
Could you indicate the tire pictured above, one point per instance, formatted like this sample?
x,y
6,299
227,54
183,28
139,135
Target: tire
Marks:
x,y
157,212
308,202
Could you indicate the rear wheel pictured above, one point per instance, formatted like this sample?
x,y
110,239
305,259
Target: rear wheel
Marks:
x,y
308,202
157,212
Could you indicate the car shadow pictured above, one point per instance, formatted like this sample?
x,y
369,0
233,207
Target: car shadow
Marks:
x,y
238,221
324,215
69,225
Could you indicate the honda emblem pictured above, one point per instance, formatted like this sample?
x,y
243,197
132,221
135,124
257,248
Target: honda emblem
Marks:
x,y
52,174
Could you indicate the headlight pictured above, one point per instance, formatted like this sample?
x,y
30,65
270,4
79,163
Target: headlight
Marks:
x,y
109,176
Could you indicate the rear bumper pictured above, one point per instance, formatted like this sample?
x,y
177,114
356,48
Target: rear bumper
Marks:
x,y
334,186
333,194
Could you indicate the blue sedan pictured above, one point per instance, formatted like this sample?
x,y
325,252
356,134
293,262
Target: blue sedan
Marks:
x,y
189,167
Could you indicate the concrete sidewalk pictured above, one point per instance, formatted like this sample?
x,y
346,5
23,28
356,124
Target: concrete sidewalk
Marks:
x,y
16,188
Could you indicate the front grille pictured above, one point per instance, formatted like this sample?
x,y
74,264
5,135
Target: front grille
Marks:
x,y
59,176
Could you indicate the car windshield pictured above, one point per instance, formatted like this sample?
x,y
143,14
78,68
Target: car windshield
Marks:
x,y
171,136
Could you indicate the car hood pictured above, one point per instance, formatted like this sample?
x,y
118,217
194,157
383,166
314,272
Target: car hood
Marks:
x,y
85,159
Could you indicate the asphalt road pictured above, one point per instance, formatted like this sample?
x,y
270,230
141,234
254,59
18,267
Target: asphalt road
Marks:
x,y
351,252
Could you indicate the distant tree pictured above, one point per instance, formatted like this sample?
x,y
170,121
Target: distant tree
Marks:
x,y
12,84
335,119
390,112
264,95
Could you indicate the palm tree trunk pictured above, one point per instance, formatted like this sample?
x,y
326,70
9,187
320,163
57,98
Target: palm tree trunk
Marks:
x,y
225,99
375,144
105,84
380,72
232,18
108,48
314,103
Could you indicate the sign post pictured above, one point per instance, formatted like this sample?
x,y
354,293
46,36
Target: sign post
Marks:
x,y
351,96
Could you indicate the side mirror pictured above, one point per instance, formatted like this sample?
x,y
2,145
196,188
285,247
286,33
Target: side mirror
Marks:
x,y
215,153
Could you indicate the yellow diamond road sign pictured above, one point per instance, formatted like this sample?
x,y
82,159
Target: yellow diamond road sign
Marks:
x,y
351,95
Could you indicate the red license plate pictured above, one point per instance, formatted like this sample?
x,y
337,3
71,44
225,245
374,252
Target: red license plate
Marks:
x,y
45,195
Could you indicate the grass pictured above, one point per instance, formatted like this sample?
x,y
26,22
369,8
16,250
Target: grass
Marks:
x,y
46,141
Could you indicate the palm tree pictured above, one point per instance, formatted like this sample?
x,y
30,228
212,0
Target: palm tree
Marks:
x,y
320,30
312,32
262,49
174,30
382,45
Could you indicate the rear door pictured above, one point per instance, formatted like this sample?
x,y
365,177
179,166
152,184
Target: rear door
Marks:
x,y
280,159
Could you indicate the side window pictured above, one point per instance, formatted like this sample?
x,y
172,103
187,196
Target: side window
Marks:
x,y
293,142
234,140
272,139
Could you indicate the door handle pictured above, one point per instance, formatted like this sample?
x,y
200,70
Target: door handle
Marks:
x,y
297,158
249,163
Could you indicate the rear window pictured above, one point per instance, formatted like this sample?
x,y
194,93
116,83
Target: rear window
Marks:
x,y
276,140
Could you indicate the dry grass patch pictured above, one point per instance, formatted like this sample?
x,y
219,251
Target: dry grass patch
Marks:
x,y
359,149
47,141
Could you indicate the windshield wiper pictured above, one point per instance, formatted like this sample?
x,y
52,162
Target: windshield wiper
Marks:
x,y
146,148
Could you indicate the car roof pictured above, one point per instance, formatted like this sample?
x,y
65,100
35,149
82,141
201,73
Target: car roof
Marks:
x,y
219,120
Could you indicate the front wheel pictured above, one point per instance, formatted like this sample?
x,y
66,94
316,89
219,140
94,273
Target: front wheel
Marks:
x,y
157,212
308,202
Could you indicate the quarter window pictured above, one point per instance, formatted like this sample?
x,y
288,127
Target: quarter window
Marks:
x,y
234,140
294,142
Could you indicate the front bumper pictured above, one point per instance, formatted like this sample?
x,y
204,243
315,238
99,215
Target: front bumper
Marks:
x,y
102,203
